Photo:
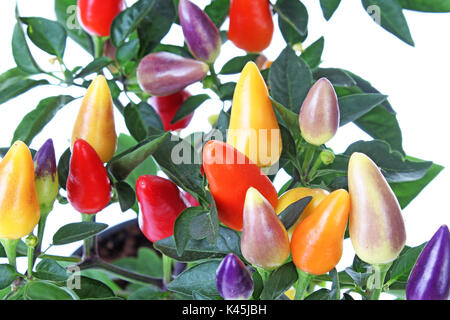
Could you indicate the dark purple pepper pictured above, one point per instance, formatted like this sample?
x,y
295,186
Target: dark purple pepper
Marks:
x,y
201,35
45,160
233,280
430,277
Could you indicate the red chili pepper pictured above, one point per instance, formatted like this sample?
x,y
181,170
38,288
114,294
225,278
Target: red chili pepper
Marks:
x,y
161,202
167,107
88,185
96,16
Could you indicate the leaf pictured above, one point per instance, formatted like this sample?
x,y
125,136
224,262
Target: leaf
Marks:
x,y
335,293
236,64
279,282
353,107
91,288
44,290
37,119
337,77
321,294
93,67
182,227
402,266
146,293
200,278
127,51
126,195
205,225
389,15
21,52
140,119
329,7
189,106
313,54
63,168
294,13
77,231
49,269
15,82
426,5
149,263
7,275
360,278
290,118
217,11
21,250
292,213
199,296
290,35
46,34
290,80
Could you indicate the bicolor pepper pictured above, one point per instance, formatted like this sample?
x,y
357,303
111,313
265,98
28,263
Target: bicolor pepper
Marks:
x,y
377,230
164,73
319,115
88,185
167,107
316,244
201,35
430,276
230,174
251,25
161,202
233,280
253,128
95,120
96,16
264,239
19,205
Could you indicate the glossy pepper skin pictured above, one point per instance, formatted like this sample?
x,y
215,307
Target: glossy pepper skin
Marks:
x,y
95,120
293,195
88,186
253,128
201,34
96,16
251,24
164,73
230,173
377,230
46,176
168,106
19,206
161,202
319,115
233,280
316,244
430,277
264,239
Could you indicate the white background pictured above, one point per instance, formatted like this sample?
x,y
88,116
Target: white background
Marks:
x,y
416,80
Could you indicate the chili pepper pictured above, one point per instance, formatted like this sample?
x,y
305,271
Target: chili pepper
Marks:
x,y
293,195
251,24
46,176
161,202
96,16
376,225
262,62
253,128
168,106
430,276
201,35
264,239
233,280
319,114
230,173
164,73
95,121
19,205
88,185
316,244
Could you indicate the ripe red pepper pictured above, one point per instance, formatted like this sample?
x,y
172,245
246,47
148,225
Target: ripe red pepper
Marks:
x,y
88,185
167,107
251,24
161,202
96,16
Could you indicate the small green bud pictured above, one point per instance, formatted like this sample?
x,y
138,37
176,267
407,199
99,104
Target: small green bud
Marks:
x,y
31,241
327,157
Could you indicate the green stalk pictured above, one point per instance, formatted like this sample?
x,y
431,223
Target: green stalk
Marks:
x,y
316,165
98,45
301,287
59,258
89,242
30,256
309,156
375,286
10,246
167,269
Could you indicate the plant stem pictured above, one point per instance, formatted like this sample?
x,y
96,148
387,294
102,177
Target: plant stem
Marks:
x,y
10,246
309,156
90,244
30,256
167,269
316,165
301,287
375,287
98,46
59,258
41,227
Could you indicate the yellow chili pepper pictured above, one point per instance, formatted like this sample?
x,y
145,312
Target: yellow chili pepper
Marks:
x,y
95,121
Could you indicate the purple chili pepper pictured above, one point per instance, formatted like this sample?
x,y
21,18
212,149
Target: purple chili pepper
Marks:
x,y
430,277
201,34
233,280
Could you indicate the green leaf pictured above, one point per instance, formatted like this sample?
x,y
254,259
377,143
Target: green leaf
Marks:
x,y
389,15
44,290
146,293
21,52
290,118
7,275
426,5
91,288
37,119
360,278
236,64
200,278
199,296
329,7
354,106
228,241
321,294
77,231
49,269
93,67
226,90
189,106
337,77
290,35
46,34
402,266
313,54
63,168
21,250
15,82
292,213
126,194
217,11
127,51
294,13
149,263
279,282
182,227
206,224
140,119
335,293
290,80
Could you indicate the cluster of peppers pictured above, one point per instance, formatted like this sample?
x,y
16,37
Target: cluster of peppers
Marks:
x,y
245,197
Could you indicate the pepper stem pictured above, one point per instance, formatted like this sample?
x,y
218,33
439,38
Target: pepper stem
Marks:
x,y
309,156
376,283
98,46
41,227
10,246
301,287
30,256
90,244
